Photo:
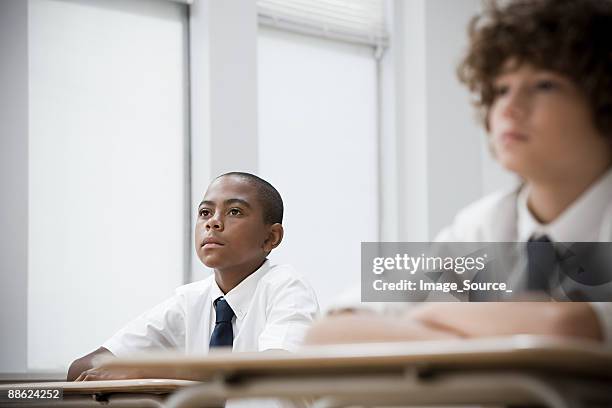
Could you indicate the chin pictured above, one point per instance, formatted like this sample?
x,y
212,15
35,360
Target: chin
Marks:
x,y
511,162
209,260
512,167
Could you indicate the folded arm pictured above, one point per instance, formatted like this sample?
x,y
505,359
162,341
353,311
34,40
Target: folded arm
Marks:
x,y
366,327
565,319
434,321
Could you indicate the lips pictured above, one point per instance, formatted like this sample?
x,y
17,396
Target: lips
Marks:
x,y
510,136
212,242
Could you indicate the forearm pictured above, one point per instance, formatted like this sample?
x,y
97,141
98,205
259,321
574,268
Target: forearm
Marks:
x,y
497,319
461,320
368,328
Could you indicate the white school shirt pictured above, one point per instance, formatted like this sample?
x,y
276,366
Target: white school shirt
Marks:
x,y
505,217
274,306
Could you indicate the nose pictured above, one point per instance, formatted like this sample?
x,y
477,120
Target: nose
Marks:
x,y
214,223
514,104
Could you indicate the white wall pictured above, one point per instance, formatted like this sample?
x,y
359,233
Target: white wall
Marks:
x,y
107,169
223,94
317,131
454,139
445,161
13,184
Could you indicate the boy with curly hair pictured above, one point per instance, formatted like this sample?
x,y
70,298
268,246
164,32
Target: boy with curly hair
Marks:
x,y
541,71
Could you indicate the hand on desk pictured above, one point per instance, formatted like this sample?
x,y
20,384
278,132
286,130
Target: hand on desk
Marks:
x,y
83,368
101,374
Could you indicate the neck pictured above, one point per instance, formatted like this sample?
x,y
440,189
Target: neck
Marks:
x,y
549,198
228,278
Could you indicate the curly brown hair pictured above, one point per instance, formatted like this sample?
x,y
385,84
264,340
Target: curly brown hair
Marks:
x,y
570,37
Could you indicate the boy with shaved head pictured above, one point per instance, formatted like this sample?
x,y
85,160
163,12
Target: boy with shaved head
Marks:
x,y
248,304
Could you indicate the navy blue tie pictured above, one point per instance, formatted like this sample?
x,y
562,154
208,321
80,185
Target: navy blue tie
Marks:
x,y
223,335
541,262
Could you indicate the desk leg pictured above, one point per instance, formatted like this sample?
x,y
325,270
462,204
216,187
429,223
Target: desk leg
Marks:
x,y
206,395
456,389
397,389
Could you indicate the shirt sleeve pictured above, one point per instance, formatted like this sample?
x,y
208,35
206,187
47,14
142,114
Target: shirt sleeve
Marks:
x,y
291,308
161,328
603,311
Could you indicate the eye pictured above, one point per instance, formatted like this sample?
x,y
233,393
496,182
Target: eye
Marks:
x,y
234,211
500,90
546,85
204,212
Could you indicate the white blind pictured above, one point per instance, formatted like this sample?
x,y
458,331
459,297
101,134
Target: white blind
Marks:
x,y
359,21
317,135
106,144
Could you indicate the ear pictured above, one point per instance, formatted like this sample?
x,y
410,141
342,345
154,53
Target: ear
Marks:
x,y
275,236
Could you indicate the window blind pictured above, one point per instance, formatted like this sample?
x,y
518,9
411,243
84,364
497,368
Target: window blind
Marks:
x,y
357,21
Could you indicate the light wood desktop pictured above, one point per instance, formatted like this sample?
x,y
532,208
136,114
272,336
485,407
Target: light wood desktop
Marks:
x,y
552,372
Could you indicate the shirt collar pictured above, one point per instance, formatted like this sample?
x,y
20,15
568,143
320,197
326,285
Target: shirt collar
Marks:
x,y
216,293
580,222
240,297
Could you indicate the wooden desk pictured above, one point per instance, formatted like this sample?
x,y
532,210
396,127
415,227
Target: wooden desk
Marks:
x,y
553,372
118,393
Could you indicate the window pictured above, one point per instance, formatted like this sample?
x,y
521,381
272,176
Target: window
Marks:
x,y
318,135
107,169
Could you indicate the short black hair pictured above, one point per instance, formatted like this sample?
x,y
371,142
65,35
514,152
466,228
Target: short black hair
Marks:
x,y
268,196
